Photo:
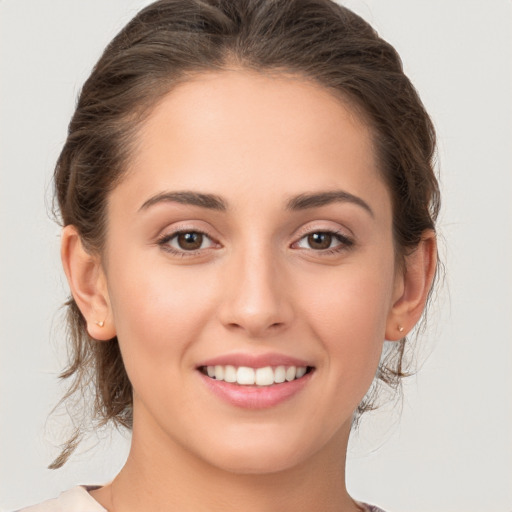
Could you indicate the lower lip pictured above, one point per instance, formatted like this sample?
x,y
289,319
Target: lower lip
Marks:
x,y
255,397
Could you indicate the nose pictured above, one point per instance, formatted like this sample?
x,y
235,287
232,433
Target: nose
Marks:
x,y
255,297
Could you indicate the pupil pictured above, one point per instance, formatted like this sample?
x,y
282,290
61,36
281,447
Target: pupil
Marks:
x,y
190,241
320,240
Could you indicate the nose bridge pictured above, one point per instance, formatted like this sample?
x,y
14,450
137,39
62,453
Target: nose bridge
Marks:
x,y
255,298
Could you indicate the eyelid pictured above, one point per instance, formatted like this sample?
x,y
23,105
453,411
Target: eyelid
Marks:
x,y
173,236
325,227
347,240
184,227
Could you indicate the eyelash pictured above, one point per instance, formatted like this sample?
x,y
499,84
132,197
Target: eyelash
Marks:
x,y
345,242
164,240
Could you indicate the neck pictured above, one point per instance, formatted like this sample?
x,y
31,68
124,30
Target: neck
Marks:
x,y
165,478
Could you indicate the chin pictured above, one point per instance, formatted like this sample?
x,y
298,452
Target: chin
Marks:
x,y
252,456
258,464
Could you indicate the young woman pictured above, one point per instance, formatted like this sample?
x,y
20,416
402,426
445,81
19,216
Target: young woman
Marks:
x,y
249,208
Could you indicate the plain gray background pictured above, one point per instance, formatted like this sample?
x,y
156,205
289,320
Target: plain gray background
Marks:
x,y
451,450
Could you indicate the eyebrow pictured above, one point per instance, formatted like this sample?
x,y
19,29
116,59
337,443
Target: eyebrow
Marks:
x,y
210,201
315,200
300,202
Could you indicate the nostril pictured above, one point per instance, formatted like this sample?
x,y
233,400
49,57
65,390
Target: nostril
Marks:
x,y
256,327
255,313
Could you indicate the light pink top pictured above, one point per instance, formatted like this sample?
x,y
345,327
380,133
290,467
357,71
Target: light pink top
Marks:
x,y
78,499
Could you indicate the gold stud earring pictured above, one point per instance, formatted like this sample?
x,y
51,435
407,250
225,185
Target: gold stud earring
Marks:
x,y
100,324
400,328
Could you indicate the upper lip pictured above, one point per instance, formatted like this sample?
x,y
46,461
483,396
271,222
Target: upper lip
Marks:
x,y
254,361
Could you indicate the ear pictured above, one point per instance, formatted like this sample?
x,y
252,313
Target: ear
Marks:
x,y
88,285
412,287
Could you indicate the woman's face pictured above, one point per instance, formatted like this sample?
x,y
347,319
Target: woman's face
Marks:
x,y
251,239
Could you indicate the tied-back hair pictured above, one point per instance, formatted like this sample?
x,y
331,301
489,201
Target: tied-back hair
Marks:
x,y
169,42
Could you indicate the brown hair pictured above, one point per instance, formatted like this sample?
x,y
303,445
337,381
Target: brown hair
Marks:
x,y
169,41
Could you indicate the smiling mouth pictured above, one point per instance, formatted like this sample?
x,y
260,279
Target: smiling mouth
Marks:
x,y
246,376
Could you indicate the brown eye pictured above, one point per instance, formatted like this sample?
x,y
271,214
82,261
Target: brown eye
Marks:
x,y
183,242
324,242
190,241
320,241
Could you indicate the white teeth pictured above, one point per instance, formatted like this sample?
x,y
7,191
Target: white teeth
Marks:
x,y
279,374
265,376
219,372
291,371
301,371
245,375
230,373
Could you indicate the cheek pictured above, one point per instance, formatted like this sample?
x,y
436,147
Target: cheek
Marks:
x,y
353,299
348,313
158,313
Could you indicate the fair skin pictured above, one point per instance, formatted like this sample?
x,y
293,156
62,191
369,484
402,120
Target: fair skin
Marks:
x,y
263,279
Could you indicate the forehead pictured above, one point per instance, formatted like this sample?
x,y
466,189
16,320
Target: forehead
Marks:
x,y
236,129
245,101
